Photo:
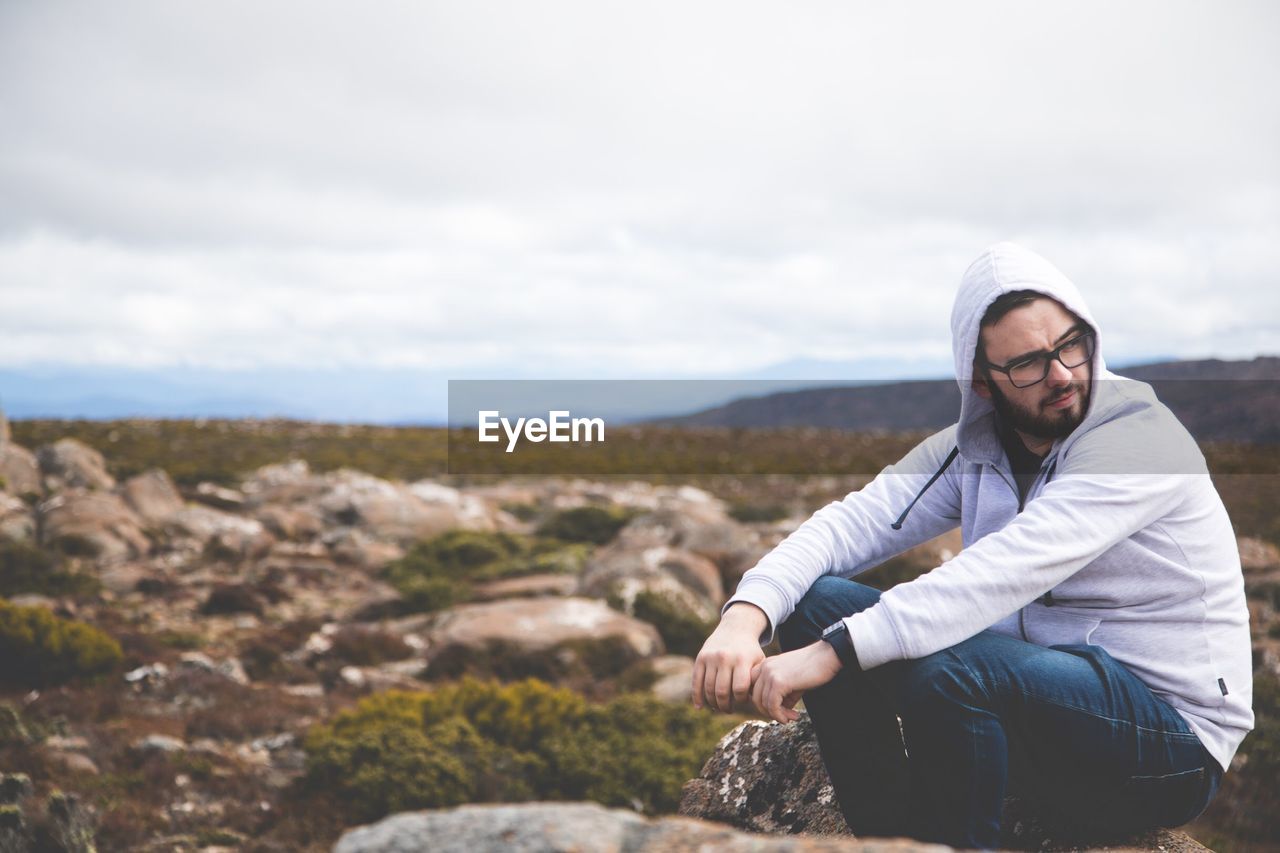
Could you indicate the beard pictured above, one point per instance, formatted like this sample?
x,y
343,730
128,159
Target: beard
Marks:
x,y
1044,422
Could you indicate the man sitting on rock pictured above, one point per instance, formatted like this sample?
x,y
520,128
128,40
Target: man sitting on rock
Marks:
x,y
1088,648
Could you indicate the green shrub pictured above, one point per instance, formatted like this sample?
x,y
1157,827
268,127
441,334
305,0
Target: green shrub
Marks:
x,y
635,749
682,632
439,572
40,649
592,524
750,512
24,568
577,662
476,741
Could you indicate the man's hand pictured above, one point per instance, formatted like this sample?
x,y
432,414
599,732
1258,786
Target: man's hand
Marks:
x,y
722,670
782,679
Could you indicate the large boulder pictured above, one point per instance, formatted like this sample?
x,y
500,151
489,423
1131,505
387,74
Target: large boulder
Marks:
x,y
68,463
385,509
769,777
534,624
94,524
702,528
221,534
581,826
19,470
17,521
152,495
689,580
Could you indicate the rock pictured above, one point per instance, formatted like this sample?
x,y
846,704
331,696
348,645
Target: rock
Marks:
x,y
580,826
382,601
221,534
218,497
71,762
20,470
689,580
383,509
357,548
158,744
766,777
152,495
285,483
148,675
125,578
538,623
229,668
1257,554
472,512
527,586
232,598
96,524
69,463
675,679
769,777
17,522
296,523
703,528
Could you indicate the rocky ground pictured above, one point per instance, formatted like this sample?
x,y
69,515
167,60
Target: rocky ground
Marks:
x,y
248,613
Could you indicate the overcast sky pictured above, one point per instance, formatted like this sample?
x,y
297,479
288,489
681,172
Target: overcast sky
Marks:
x,y
641,189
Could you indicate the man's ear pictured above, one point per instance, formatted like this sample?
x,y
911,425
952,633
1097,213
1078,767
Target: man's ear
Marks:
x,y
980,386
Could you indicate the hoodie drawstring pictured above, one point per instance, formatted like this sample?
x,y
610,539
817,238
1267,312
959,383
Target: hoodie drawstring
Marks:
x,y
955,451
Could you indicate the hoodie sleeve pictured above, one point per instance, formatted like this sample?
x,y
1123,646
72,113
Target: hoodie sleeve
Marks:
x,y
851,535
1112,487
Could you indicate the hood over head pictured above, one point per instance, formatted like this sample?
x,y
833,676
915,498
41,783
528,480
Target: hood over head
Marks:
x,y
1001,268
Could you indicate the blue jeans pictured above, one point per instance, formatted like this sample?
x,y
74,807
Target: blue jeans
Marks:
x,y
1065,727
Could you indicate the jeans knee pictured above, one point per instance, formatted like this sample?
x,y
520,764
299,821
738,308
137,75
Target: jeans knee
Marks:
x,y
939,679
827,599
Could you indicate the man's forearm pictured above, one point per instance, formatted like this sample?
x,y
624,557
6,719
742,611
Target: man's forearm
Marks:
x,y
747,617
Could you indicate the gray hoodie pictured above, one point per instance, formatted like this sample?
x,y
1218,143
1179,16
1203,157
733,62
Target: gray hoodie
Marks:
x,y
1122,542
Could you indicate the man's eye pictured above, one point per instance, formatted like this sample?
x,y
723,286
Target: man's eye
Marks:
x,y
1073,344
1019,365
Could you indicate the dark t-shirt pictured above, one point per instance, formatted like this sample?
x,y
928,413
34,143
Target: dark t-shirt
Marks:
x,y
1025,464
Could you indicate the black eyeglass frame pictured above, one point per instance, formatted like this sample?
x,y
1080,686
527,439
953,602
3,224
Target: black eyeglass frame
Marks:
x,y
1046,358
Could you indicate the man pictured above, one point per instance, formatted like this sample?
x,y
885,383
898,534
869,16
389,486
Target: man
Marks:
x,y
1089,646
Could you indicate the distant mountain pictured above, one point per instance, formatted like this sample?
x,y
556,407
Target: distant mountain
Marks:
x,y
1216,400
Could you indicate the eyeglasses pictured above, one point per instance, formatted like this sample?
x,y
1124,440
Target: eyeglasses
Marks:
x,y
1034,368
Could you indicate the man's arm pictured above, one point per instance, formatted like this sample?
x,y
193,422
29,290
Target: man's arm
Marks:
x,y
845,538
1083,512
722,672
849,536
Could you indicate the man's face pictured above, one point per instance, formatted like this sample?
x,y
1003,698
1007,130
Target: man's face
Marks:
x,y
1049,409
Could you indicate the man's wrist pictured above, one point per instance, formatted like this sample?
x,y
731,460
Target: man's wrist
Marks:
x,y
747,615
837,636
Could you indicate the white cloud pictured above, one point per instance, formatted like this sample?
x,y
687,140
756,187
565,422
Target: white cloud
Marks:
x,y
658,190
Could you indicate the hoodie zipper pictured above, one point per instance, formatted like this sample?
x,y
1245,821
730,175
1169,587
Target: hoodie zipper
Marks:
x,y
1047,598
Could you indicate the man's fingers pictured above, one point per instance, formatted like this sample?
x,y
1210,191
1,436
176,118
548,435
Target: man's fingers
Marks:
x,y
742,684
757,693
699,673
724,689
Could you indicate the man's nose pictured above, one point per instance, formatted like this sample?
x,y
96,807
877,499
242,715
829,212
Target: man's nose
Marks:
x,y
1059,374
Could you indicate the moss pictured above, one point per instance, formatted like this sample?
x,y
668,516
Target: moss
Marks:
x,y
752,512
682,632
231,598
41,649
439,572
479,741
652,748
592,524
75,545
24,568
574,661
364,646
